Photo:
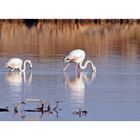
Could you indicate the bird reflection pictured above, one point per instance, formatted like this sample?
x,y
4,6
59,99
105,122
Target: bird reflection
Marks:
x,y
30,117
76,85
17,79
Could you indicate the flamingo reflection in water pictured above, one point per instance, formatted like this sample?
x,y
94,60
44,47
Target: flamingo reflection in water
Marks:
x,y
76,86
16,79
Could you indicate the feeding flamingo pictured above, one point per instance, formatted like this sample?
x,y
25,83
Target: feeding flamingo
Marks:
x,y
16,63
77,56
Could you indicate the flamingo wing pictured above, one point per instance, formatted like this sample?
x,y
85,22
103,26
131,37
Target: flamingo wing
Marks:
x,y
74,55
13,62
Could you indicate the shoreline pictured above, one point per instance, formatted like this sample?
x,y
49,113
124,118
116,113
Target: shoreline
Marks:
x,y
36,22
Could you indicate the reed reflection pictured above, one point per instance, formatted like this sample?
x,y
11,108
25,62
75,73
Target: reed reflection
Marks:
x,y
76,85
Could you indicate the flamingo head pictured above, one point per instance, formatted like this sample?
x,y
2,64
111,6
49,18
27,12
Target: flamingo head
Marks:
x,y
94,69
30,63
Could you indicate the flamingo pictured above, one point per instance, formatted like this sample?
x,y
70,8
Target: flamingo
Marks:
x,y
16,63
77,56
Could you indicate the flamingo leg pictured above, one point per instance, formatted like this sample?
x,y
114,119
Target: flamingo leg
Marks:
x,y
76,68
66,67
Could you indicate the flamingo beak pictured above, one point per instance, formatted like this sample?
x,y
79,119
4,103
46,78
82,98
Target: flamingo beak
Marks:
x,y
94,69
31,66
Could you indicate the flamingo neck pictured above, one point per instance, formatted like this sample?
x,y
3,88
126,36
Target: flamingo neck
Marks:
x,y
24,66
85,65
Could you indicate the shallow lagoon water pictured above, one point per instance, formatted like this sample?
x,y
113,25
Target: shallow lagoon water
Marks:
x,y
112,93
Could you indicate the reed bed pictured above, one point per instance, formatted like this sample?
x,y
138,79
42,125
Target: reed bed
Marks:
x,y
50,37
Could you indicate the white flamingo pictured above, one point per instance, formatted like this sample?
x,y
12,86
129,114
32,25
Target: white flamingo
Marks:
x,y
77,56
16,63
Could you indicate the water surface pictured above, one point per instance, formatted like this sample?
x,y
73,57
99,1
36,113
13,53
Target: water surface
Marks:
x,y
112,93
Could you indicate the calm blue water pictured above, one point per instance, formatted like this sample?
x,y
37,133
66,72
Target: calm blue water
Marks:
x,y
113,93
